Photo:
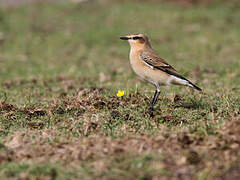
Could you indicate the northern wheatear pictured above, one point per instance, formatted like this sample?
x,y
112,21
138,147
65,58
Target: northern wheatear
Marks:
x,y
150,67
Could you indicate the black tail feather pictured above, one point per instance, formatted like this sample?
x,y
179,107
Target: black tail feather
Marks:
x,y
176,75
195,87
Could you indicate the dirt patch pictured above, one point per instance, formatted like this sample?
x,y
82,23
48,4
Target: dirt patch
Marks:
x,y
183,153
6,106
232,173
66,82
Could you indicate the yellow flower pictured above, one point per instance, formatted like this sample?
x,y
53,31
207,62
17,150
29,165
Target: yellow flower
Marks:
x,y
120,93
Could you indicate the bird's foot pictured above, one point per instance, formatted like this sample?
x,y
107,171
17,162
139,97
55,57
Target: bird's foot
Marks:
x,y
150,111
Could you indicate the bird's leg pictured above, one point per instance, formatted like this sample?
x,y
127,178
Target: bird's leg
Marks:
x,y
154,100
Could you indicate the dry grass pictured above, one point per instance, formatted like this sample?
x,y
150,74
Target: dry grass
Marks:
x,y
181,154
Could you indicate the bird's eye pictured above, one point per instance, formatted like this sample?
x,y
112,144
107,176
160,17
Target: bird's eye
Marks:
x,y
136,37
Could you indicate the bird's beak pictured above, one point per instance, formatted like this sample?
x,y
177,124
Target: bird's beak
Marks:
x,y
124,38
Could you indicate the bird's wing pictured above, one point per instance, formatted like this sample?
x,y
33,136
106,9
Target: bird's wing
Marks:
x,y
154,61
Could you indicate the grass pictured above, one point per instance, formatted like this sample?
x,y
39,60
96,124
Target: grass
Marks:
x,y
61,65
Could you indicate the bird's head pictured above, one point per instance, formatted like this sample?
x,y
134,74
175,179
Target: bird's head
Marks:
x,y
137,40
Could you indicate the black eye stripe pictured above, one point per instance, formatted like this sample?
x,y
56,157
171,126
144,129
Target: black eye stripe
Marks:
x,y
136,37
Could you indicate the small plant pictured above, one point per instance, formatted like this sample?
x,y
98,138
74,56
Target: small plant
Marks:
x,y
120,93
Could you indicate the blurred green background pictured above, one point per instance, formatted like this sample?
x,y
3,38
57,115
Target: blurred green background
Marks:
x,y
43,40
56,55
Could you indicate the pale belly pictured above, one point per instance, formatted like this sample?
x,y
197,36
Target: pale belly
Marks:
x,y
146,73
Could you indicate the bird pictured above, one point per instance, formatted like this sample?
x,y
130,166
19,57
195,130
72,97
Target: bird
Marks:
x,y
150,67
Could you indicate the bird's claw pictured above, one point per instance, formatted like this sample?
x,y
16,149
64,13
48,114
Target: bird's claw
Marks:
x,y
150,111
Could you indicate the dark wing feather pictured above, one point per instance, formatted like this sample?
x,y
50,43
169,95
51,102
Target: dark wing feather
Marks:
x,y
152,59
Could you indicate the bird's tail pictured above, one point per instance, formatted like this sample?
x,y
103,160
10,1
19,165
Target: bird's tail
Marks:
x,y
180,80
